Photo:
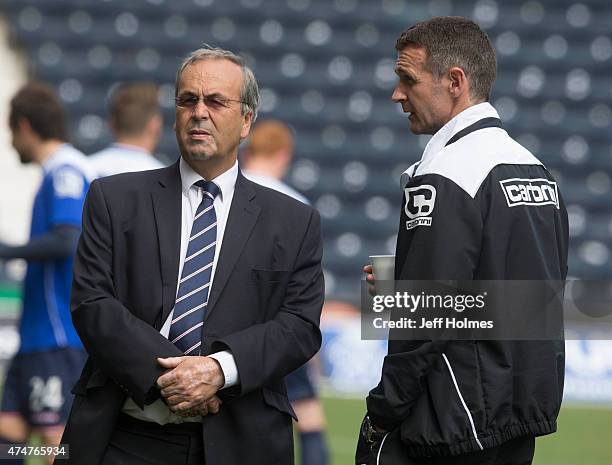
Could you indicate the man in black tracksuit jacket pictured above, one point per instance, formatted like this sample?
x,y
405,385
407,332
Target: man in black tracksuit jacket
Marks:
x,y
477,206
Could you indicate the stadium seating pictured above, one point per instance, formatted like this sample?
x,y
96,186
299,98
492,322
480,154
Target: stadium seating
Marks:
x,y
326,68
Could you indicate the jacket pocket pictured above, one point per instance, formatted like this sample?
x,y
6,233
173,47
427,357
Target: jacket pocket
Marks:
x,y
279,401
97,379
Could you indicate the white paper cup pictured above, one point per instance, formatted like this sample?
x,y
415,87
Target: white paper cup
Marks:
x,y
383,268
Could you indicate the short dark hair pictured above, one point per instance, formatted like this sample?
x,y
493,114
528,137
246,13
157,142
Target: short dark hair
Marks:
x,y
455,41
131,107
38,104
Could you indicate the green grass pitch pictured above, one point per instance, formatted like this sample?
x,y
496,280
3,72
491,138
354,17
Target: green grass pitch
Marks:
x,y
584,435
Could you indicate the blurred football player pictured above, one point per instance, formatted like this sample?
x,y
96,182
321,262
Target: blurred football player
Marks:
x,y
136,122
266,160
36,395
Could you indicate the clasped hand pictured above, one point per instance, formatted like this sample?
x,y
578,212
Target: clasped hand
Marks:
x,y
190,384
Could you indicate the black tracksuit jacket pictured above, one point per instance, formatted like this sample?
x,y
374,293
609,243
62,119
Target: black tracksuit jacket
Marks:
x,y
484,208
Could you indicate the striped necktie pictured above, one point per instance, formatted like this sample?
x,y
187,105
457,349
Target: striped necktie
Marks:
x,y
192,296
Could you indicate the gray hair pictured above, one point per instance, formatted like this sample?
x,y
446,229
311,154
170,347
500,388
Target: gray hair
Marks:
x,y
249,92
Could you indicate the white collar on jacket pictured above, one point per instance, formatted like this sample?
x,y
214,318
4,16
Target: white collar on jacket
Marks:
x,y
445,133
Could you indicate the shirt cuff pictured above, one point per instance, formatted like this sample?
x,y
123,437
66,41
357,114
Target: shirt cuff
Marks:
x,y
228,367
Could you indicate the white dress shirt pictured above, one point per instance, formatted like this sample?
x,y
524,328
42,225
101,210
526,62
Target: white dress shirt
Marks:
x,y
191,197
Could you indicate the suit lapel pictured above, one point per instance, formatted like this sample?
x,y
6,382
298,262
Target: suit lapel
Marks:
x,y
241,219
167,205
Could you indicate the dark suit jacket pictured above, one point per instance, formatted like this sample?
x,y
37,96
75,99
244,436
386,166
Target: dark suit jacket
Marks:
x,y
264,307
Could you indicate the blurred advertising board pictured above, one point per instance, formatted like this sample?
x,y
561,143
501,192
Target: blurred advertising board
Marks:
x,y
351,366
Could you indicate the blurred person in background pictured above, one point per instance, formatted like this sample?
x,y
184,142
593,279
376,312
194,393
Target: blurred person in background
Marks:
x,y
36,395
136,122
478,401
266,159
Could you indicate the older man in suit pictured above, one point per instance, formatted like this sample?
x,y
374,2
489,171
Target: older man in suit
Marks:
x,y
195,292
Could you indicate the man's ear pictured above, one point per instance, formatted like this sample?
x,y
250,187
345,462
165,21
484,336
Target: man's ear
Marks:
x,y
285,156
24,126
459,84
156,124
246,125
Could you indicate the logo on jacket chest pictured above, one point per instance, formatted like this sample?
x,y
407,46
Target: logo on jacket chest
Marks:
x,y
532,192
420,202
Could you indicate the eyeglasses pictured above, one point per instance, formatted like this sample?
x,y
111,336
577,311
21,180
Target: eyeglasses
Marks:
x,y
190,101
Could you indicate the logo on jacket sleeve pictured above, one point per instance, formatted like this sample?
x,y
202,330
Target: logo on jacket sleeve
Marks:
x,y
532,192
68,183
420,202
